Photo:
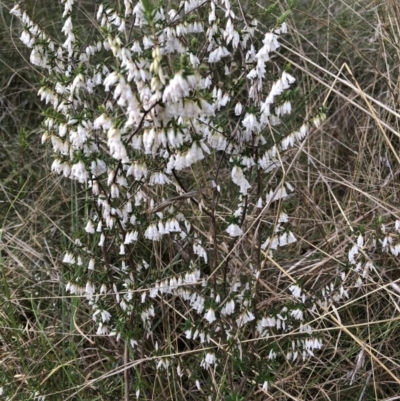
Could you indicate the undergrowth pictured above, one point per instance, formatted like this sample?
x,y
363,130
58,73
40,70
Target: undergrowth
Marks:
x,y
343,211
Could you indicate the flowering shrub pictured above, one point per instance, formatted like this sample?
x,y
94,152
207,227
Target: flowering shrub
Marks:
x,y
173,118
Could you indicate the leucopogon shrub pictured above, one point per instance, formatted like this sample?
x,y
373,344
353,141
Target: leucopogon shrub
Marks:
x,y
175,120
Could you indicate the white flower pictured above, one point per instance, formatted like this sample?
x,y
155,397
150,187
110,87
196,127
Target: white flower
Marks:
x,y
179,87
98,167
283,218
272,355
239,179
228,308
90,288
89,227
250,123
67,26
192,277
210,315
200,251
280,194
158,178
114,191
110,80
16,10
265,244
291,238
91,264
287,79
295,290
283,239
78,171
270,321
270,42
103,121
274,243
248,161
208,360
131,237
395,250
102,329
244,318
238,109
285,108
297,314
69,258
217,54
234,230
352,253
152,233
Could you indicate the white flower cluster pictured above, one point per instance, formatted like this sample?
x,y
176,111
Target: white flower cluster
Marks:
x,y
142,118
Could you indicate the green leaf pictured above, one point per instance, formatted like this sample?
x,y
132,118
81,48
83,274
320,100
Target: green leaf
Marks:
x,y
283,17
272,7
148,7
